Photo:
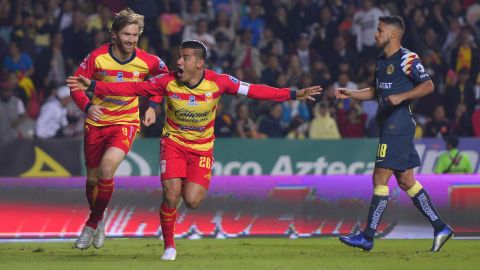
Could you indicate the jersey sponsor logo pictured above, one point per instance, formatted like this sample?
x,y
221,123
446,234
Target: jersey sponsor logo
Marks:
x,y
84,62
191,116
385,85
390,69
101,73
420,68
135,75
233,79
119,76
208,97
191,128
115,101
191,101
424,75
176,97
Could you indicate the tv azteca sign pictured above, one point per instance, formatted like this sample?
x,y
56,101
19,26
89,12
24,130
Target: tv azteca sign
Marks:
x,y
294,157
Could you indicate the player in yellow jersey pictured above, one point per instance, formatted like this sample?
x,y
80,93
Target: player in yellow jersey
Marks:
x,y
191,93
113,120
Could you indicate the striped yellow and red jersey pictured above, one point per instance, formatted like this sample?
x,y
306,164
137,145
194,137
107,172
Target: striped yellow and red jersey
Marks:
x,y
190,112
101,65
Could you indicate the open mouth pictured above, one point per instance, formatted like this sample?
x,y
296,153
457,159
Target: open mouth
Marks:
x,y
179,72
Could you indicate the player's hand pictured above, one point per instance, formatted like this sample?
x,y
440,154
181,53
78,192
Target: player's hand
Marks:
x,y
150,117
95,112
78,83
394,99
309,92
343,93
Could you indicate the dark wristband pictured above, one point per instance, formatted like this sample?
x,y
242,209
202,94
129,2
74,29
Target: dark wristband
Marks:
x,y
152,104
293,94
88,107
91,88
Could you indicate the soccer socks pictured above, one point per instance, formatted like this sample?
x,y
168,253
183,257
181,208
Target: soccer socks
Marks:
x,y
168,216
104,195
91,193
377,207
422,201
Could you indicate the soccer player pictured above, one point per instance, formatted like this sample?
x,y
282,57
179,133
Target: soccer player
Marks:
x,y
399,77
113,120
191,93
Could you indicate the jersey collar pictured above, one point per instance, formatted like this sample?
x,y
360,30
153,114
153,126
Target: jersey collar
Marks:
x,y
198,83
110,51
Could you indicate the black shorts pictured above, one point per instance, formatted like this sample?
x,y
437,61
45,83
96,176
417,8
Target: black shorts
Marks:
x,y
397,152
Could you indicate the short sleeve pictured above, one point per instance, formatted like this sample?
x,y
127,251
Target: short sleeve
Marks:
x,y
413,68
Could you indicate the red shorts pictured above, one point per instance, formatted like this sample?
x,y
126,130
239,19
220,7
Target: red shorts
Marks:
x,y
99,139
177,161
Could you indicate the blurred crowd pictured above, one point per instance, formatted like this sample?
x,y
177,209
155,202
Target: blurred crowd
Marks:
x,y
276,42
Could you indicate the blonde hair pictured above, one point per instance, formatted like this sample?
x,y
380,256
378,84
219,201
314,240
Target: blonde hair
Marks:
x,y
127,17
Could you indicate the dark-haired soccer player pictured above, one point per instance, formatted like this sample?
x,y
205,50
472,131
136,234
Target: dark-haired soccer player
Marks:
x,y
191,93
399,78
113,120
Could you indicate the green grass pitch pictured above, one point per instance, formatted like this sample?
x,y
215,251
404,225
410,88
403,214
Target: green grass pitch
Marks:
x,y
246,253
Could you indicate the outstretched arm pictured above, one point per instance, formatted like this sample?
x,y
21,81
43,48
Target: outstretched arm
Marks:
x,y
152,87
362,94
233,86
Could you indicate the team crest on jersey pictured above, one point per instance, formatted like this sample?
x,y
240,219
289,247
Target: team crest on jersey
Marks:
x,y
208,97
161,64
191,101
135,75
119,76
390,69
233,79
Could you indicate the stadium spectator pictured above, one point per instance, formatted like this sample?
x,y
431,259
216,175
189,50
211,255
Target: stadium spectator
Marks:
x,y
225,125
465,55
270,126
460,123
461,92
271,72
364,27
12,112
439,126
323,126
245,126
453,161
253,22
351,121
17,61
53,115
305,54
247,57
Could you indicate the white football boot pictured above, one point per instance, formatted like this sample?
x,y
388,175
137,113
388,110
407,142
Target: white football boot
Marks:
x,y
169,254
85,239
99,238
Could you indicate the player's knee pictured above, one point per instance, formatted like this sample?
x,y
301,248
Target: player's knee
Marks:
x,y
171,199
92,181
107,172
192,203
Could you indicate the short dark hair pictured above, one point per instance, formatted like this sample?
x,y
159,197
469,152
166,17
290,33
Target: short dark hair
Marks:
x,y
393,20
452,140
197,45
